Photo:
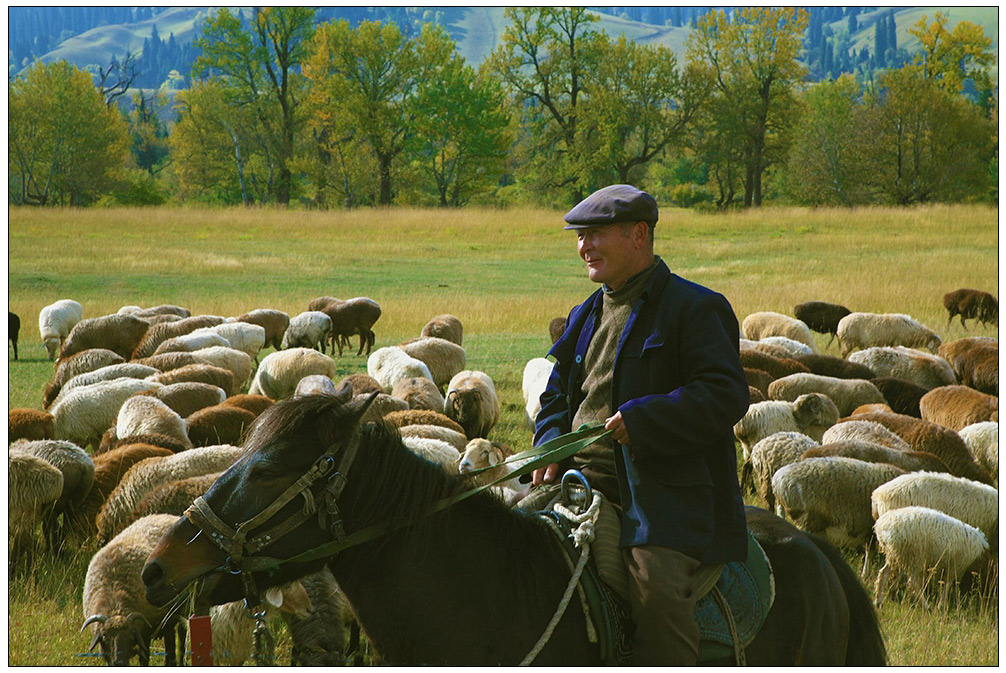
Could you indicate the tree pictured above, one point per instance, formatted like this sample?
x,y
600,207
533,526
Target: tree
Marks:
x,y
148,134
752,60
950,58
64,146
261,64
117,78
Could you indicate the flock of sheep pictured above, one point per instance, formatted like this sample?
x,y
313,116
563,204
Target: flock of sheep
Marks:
x,y
888,446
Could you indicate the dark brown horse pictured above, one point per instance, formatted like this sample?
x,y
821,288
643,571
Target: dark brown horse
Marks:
x,y
476,583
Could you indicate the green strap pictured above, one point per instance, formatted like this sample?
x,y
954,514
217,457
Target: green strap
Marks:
x,y
552,451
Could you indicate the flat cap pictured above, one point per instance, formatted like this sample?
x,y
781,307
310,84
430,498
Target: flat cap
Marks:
x,y
614,203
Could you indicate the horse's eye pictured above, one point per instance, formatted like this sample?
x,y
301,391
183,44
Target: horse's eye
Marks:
x,y
266,471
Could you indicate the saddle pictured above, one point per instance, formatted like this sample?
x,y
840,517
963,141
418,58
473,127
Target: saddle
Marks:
x,y
729,615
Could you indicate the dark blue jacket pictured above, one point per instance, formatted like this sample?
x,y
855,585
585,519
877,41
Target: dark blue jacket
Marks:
x,y
680,386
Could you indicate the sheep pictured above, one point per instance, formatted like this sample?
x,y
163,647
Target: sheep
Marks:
x,y
968,303
452,437
831,496
191,342
174,497
974,503
792,347
157,334
775,350
280,372
349,317
253,403
957,407
274,322
146,475
759,381
871,432
84,414
166,362
982,440
421,417
829,365
110,441
483,462
85,361
902,396
859,331
944,443
315,384
419,392
310,329
444,358
434,450
220,424
909,461
235,361
763,324
362,383
319,637
188,397
162,309
23,423
471,401
914,366
556,328
109,469
245,337
56,321
975,362
875,408
114,599
13,329
391,364
233,627
772,453
775,367
78,476
142,414
822,317
444,326
202,373
919,541
122,370
33,484
755,395
381,405
847,394
533,383
118,333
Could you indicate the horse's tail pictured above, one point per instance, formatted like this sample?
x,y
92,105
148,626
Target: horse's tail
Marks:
x,y
866,643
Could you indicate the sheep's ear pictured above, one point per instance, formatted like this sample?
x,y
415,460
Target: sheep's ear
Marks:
x,y
496,456
290,598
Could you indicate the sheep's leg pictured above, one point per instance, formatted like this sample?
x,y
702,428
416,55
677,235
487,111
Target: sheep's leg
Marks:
x,y
169,645
182,632
363,341
880,588
746,478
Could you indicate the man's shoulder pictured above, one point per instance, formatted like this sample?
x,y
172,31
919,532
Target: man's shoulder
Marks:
x,y
684,289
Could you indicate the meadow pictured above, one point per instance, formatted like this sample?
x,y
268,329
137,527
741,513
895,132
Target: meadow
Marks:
x,y
505,274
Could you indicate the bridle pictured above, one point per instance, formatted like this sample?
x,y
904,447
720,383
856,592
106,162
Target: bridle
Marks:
x,y
234,541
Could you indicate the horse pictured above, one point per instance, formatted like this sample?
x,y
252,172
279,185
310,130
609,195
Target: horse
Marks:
x,y
474,583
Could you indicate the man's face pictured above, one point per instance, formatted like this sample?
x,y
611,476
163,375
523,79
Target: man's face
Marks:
x,y
610,253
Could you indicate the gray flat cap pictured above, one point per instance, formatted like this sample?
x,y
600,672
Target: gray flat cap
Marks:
x,y
614,203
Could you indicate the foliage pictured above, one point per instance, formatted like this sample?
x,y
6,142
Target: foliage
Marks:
x,y
147,133
138,188
951,57
64,146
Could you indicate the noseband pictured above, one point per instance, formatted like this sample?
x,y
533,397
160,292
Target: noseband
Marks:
x,y
234,540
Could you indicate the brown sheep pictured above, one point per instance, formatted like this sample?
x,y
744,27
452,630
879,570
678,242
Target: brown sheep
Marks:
x,y
421,417
773,366
361,384
118,333
901,395
756,395
188,397
975,361
161,332
823,318
217,376
759,379
910,461
253,403
556,328
968,303
173,497
875,408
220,424
957,407
349,317
24,423
274,323
110,442
942,442
445,326
419,392
81,363
172,360
109,469
829,365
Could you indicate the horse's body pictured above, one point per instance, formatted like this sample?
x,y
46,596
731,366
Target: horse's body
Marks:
x,y
477,583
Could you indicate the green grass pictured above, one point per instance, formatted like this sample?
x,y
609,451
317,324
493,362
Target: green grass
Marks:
x,y
505,274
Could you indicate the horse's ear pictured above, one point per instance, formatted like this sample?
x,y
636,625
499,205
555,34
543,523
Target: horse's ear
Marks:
x,y
358,406
344,393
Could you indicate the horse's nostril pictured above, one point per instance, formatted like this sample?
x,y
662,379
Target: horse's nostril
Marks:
x,y
151,573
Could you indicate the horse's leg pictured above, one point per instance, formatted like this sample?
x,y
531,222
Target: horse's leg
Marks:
x,y
169,645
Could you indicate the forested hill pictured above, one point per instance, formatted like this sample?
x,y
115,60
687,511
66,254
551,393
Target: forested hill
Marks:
x,y
838,39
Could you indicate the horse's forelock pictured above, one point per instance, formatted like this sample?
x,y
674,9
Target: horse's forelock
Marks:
x,y
318,414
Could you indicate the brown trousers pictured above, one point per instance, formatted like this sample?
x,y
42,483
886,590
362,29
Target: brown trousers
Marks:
x,y
664,586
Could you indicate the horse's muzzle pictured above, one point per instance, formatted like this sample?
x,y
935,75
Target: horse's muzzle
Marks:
x,y
181,556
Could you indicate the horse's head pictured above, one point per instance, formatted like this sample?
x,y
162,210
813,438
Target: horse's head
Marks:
x,y
277,501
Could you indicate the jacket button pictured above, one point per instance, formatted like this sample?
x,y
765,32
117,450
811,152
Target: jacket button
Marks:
x,y
579,359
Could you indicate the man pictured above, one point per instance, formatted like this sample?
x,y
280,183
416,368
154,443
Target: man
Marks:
x,y
655,358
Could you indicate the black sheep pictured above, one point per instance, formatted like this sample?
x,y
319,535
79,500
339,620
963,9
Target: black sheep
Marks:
x,y
968,303
821,316
902,396
13,327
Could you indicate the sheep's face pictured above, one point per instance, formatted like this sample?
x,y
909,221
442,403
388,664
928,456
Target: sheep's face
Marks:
x,y
52,347
121,638
479,454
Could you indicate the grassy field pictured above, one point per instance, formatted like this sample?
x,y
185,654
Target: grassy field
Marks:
x,y
505,274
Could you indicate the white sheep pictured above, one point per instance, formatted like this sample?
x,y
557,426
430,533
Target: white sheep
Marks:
x,y
235,361
314,384
162,309
193,341
972,502
243,336
535,379
452,437
763,324
83,415
920,542
982,440
55,322
279,373
847,394
914,366
444,358
484,462
122,370
391,364
144,414
858,331
434,450
870,432
310,329
233,628
765,347
471,401
33,485
773,453
273,321
831,496
419,392
792,347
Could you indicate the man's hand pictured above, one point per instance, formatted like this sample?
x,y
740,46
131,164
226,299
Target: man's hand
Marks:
x,y
544,475
617,423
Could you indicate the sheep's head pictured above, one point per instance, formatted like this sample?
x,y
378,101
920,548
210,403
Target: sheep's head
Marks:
x,y
814,409
934,343
480,454
463,406
52,346
121,637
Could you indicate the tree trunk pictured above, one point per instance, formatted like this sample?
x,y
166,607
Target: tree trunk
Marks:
x,y
384,162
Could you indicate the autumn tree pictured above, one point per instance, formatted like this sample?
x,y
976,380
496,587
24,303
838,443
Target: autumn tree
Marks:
x,y
260,63
951,57
147,133
64,146
752,59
